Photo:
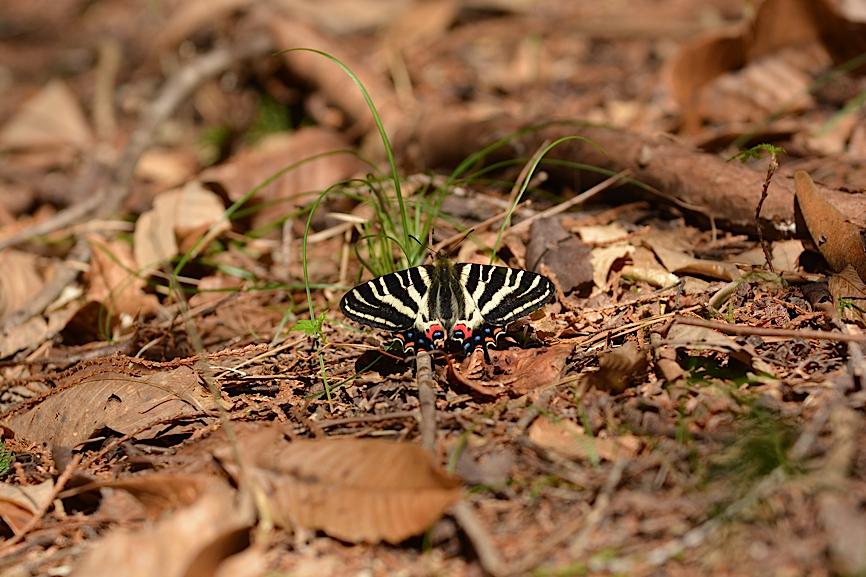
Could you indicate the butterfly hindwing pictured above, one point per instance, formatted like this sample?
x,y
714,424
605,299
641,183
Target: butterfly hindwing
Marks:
x,y
501,294
391,302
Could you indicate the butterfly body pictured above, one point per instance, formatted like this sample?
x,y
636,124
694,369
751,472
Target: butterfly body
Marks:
x,y
428,306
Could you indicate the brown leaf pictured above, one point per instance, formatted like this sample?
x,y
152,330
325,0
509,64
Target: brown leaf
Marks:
x,y
113,282
161,492
847,286
195,540
567,257
99,397
513,372
837,239
178,217
18,503
53,117
358,490
777,24
24,279
569,440
681,263
620,368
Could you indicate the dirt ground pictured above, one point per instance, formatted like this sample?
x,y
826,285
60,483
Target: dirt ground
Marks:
x,y
188,188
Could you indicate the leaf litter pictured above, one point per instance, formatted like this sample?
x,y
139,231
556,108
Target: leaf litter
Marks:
x,y
198,422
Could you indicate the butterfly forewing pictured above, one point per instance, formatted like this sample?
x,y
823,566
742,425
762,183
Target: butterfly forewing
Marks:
x,y
503,294
389,302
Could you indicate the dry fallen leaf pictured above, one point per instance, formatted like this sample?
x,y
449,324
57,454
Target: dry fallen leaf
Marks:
x,y
564,255
358,490
837,239
98,397
570,440
195,540
620,368
52,117
18,503
24,279
178,220
516,371
113,282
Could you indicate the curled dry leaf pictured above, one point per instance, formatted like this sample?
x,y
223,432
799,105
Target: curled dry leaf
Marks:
x,y
570,440
681,263
179,218
849,295
195,540
838,240
98,397
620,368
358,490
18,503
514,371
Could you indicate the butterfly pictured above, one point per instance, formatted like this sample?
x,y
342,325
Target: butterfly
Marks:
x,y
428,306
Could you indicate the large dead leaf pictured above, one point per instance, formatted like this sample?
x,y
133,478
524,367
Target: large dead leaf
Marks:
x,y
52,117
179,218
358,490
195,540
513,371
99,397
836,237
18,503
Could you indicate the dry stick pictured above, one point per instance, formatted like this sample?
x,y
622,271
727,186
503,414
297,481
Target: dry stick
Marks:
x,y
427,399
109,199
462,512
742,330
43,510
563,206
765,246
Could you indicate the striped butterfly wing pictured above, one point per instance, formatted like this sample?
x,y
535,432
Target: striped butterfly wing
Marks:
x,y
501,294
390,302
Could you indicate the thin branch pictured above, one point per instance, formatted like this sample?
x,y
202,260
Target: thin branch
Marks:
x,y
744,330
427,398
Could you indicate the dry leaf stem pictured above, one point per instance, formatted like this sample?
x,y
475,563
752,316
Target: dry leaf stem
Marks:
x,y
427,398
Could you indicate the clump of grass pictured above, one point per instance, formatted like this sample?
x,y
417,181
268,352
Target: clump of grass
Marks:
x,y
6,459
763,442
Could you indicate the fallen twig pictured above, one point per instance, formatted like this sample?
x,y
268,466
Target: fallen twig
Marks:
x,y
745,330
427,398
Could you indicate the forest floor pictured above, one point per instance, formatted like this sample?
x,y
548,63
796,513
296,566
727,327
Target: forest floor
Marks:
x,y
184,199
